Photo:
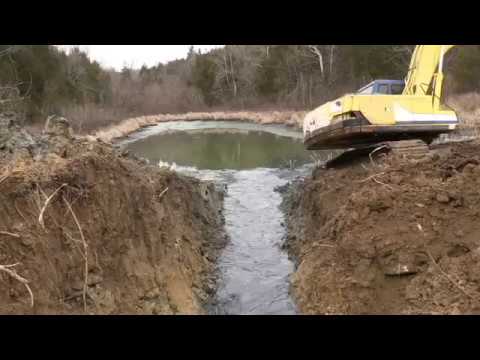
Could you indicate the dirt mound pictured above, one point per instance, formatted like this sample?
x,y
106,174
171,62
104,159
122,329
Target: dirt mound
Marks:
x,y
94,231
398,236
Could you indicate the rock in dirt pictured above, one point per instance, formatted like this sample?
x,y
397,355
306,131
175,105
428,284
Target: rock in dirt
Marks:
x,y
443,198
58,126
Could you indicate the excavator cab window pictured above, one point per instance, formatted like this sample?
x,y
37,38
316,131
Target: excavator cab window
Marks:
x,y
397,89
383,89
368,90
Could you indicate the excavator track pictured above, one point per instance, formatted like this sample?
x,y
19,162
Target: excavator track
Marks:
x,y
407,148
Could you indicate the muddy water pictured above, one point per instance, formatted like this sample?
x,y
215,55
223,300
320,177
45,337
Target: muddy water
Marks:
x,y
255,270
250,161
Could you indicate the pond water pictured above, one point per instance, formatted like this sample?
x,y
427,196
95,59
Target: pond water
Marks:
x,y
243,147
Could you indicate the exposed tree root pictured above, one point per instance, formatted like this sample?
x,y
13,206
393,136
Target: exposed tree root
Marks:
x,y
9,234
374,151
85,254
162,193
7,269
45,205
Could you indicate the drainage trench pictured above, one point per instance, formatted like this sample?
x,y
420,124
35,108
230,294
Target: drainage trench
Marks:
x,y
249,161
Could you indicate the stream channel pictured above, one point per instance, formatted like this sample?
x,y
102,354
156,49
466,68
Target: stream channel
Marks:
x,y
249,161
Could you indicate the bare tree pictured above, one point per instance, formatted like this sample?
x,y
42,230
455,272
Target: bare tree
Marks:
x,y
10,96
401,55
232,72
332,51
315,49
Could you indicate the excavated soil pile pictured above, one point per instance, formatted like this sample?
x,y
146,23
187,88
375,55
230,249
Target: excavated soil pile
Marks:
x,y
397,236
94,231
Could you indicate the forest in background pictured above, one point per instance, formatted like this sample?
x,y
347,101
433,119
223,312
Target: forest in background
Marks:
x,y
42,80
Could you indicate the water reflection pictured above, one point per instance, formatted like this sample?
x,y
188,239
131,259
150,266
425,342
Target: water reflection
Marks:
x,y
216,150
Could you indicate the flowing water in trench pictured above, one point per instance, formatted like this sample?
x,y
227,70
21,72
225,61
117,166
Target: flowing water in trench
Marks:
x,y
250,161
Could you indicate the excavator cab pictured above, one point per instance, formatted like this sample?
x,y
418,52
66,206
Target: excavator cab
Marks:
x,y
386,110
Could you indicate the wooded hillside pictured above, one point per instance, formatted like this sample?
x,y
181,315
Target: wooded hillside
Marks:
x,y
235,77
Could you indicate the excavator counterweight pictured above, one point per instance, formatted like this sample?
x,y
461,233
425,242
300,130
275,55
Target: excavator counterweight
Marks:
x,y
386,110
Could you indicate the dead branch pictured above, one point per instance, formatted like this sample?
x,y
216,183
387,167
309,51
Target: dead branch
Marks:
x,y
3,178
5,101
313,247
74,242
381,183
371,177
162,193
85,250
37,198
77,294
13,274
445,275
40,190
9,234
18,211
40,218
6,51
374,178
374,151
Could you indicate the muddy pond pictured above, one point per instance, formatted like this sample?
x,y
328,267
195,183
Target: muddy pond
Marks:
x,y
250,161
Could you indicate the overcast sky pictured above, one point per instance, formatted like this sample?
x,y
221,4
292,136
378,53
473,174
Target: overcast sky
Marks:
x,y
117,56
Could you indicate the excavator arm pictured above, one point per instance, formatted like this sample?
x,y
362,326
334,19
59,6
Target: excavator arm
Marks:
x,y
425,75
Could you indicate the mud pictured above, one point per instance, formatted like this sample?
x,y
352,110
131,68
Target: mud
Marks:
x,y
152,236
398,235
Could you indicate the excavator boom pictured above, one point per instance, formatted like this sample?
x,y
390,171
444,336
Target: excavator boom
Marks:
x,y
377,113
426,63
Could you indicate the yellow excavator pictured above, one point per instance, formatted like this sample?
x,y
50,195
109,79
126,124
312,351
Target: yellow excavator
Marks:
x,y
386,110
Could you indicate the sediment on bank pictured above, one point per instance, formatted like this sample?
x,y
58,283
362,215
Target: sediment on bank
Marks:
x,y
85,229
393,236
128,126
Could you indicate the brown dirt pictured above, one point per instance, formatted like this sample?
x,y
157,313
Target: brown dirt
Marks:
x,y
149,251
406,241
